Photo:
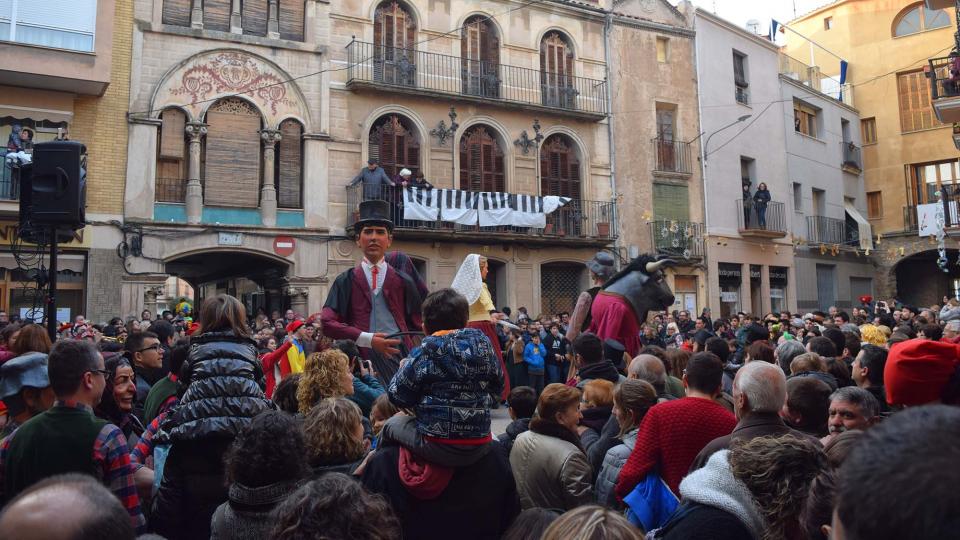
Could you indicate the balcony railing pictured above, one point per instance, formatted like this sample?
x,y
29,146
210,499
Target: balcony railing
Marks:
x,y
677,239
766,220
672,156
943,87
171,190
851,157
421,72
589,222
798,71
741,95
9,180
825,230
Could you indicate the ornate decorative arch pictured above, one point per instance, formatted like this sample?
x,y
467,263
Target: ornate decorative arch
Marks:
x,y
581,148
197,82
417,123
563,33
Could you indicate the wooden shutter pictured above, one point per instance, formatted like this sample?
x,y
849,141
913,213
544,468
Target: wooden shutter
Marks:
x,y
291,19
394,37
914,95
559,168
481,162
290,165
396,144
480,56
216,15
556,66
233,151
671,202
254,16
171,157
176,12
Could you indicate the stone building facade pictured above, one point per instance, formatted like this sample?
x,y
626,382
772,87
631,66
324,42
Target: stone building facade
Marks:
x,y
248,121
656,125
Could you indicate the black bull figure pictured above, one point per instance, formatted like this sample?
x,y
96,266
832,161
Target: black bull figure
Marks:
x,y
641,283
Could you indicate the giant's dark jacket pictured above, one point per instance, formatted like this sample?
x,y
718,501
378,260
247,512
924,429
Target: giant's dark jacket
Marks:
x,y
224,392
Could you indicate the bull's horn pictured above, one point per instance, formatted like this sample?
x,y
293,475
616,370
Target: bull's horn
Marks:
x,y
654,266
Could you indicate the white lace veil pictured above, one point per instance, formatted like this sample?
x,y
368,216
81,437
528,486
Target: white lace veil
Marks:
x,y
468,281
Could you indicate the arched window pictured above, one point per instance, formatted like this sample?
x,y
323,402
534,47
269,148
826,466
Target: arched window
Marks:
x,y
289,169
395,142
171,182
394,39
917,18
556,71
480,55
559,167
481,161
232,154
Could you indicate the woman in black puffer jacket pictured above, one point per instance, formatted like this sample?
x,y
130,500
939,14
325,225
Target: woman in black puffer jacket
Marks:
x,y
224,391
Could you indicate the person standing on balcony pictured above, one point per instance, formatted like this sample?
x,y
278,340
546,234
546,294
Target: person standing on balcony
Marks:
x,y
373,178
747,204
373,300
419,181
760,200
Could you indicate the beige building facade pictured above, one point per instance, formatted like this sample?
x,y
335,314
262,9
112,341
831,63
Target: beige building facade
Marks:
x,y
65,71
908,153
249,120
656,125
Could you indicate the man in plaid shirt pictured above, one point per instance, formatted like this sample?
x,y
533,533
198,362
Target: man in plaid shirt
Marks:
x,y
68,437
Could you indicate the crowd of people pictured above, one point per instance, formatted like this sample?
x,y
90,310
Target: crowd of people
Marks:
x,y
824,425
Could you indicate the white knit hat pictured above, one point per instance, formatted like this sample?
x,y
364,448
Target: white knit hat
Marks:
x,y
405,172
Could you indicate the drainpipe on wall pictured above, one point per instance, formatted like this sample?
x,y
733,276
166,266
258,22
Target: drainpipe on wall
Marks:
x,y
607,24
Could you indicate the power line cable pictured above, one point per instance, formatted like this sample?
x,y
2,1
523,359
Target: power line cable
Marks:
x,y
348,66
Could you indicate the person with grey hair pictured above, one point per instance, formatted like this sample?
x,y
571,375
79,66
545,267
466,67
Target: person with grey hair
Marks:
x,y
647,367
602,267
851,407
786,352
759,392
951,330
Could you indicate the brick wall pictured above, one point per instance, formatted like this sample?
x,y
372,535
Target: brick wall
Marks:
x,y
100,122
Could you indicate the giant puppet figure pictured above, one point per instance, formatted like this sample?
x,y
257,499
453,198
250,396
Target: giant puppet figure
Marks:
x,y
622,305
469,282
373,300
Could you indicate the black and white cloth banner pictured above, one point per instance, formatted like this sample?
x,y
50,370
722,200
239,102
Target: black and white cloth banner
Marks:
x,y
421,204
488,209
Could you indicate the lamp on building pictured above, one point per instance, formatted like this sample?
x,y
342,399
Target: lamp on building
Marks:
x,y
707,143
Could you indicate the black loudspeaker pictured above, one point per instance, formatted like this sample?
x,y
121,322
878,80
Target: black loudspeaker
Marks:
x,y
53,190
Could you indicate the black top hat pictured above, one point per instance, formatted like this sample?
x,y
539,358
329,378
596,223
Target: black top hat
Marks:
x,y
374,212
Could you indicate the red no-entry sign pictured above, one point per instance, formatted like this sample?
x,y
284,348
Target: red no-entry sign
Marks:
x,y
284,245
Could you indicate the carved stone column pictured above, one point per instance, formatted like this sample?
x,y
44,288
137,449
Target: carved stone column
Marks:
x,y
268,191
195,131
236,23
273,20
196,14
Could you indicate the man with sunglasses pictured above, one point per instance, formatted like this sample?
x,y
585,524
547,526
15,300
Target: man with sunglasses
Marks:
x,y
68,438
145,352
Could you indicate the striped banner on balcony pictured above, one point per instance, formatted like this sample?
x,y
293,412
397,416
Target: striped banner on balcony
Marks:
x,y
458,206
420,204
496,209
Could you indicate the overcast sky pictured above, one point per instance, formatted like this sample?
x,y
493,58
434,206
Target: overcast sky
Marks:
x,y
741,11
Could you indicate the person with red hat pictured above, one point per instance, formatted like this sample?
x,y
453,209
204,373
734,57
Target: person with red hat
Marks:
x,y
921,371
374,300
295,355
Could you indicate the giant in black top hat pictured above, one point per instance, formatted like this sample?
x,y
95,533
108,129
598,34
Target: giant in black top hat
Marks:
x,y
374,212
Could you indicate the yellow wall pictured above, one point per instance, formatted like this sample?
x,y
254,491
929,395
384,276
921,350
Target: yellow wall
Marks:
x,y
101,123
862,34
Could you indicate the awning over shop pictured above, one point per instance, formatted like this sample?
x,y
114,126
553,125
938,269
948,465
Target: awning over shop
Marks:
x,y
37,105
863,226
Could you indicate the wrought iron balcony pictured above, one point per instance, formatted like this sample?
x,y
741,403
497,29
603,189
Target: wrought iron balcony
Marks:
x,y
9,180
579,222
677,239
944,89
825,230
851,158
430,74
742,95
763,221
672,156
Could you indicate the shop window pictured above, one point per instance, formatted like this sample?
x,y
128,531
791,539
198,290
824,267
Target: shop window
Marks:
x,y
731,279
778,288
